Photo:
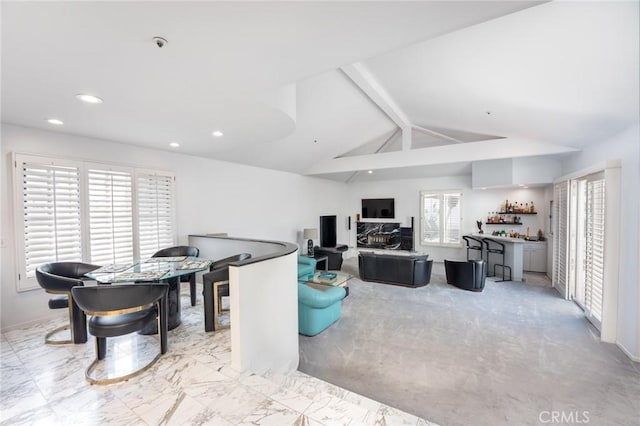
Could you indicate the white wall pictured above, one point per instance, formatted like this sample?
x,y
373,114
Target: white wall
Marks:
x,y
626,148
476,205
212,196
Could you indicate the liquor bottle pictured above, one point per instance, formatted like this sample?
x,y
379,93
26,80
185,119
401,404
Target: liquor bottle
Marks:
x,y
532,209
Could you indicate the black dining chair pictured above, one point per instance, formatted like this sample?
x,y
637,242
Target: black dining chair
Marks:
x,y
58,278
215,287
183,251
117,310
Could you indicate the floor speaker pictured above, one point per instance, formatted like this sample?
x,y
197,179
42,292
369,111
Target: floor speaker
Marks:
x,y
328,231
406,239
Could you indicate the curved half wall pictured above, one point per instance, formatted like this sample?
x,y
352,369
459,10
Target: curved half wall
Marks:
x,y
264,301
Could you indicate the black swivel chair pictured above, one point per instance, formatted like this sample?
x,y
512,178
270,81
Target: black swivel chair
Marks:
x,y
469,275
183,251
474,244
216,286
122,309
58,278
496,248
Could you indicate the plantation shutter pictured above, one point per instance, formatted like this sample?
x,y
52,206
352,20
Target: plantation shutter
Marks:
x,y
155,212
51,214
430,218
560,238
594,247
110,216
452,218
441,219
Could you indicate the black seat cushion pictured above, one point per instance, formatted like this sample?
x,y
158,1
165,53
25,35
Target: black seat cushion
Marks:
x,y
59,302
117,325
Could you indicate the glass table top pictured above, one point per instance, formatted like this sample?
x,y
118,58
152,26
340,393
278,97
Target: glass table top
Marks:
x,y
152,269
340,279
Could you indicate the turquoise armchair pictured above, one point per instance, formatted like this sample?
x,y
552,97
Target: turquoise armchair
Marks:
x,y
318,309
306,267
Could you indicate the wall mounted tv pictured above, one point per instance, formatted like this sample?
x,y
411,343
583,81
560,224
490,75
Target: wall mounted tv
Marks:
x,y
378,208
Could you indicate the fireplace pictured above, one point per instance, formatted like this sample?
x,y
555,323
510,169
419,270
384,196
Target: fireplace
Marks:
x,y
380,235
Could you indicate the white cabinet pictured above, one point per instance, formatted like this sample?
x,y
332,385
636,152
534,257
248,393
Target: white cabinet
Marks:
x,y
535,256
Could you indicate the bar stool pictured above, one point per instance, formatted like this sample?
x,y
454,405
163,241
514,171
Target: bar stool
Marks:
x,y
473,244
498,248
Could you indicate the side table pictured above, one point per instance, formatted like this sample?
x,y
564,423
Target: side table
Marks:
x,y
320,258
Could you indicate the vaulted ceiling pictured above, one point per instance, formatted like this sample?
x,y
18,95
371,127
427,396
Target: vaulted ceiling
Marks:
x,y
331,89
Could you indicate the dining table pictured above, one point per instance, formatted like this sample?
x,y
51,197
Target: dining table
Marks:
x,y
155,269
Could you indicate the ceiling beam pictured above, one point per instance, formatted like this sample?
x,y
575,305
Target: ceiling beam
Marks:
x,y
363,78
472,151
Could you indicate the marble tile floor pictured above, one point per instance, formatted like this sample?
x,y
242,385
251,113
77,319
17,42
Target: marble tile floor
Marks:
x,y
193,384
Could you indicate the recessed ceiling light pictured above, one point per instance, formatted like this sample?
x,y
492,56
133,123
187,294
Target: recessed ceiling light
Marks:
x,y
174,145
90,99
55,121
217,133
525,187
483,188
370,171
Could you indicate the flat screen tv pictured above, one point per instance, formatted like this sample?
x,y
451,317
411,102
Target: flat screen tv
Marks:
x,y
378,208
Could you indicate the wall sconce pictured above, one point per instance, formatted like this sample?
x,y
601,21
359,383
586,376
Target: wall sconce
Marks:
x,y
310,234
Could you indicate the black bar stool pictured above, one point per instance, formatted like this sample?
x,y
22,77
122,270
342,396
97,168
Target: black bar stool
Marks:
x,y
497,248
473,244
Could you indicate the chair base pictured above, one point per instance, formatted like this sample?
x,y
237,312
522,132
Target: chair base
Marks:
x,y
95,381
49,341
503,268
217,308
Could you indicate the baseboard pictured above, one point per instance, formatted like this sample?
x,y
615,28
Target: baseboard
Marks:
x,y
628,353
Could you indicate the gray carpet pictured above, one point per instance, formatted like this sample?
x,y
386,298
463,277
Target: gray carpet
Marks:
x,y
510,355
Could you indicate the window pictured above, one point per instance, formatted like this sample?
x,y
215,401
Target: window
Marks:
x,y
155,212
110,216
49,196
441,220
75,211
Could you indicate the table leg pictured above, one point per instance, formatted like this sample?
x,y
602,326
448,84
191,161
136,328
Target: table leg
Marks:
x,y
173,308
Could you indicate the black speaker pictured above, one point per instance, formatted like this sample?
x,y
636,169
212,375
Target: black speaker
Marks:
x,y
349,222
328,231
406,239
411,222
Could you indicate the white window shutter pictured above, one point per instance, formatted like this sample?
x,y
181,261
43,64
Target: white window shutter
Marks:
x,y
441,217
452,218
560,238
110,216
50,202
594,249
431,218
155,212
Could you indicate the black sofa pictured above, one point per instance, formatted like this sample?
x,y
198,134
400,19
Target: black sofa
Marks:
x,y
406,270
334,255
467,275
